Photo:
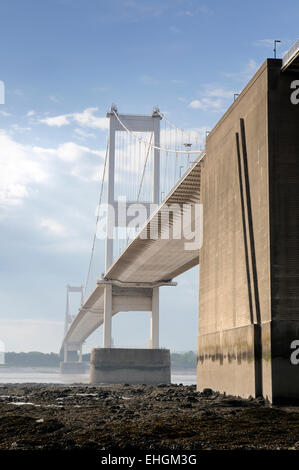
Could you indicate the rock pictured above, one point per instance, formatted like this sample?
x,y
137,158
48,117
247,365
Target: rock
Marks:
x,y
192,399
186,405
233,402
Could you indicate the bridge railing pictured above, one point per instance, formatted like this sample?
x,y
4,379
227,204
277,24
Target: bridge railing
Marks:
x,y
290,53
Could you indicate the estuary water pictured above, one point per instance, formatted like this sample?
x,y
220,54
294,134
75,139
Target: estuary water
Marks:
x,y
52,375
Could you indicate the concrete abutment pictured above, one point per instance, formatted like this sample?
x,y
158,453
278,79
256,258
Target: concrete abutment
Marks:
x,y
131,366
249,262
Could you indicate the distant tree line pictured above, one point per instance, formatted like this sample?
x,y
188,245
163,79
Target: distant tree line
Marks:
x,y
185,360
32,359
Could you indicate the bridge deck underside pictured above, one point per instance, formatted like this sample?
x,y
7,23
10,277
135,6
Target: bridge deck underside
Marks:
x,y
291,61
145,259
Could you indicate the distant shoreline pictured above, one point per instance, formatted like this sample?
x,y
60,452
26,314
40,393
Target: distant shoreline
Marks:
x,y
179,361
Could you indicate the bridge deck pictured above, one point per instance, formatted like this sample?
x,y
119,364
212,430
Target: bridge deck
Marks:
x,y
290,60
146,260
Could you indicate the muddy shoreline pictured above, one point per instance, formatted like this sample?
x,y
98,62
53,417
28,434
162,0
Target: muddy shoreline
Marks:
x,y
175,417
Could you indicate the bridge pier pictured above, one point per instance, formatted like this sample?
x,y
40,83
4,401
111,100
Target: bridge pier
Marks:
x,y
154,339
72,359
119,365
131,366
107,334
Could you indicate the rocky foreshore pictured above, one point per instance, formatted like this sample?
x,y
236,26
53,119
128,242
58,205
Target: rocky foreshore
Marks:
x,y
175,417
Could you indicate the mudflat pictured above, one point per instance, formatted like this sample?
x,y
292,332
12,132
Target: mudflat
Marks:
x,y
175,417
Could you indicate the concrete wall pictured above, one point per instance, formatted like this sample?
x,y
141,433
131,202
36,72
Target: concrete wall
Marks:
x,y
249,275
132,366
284,225
228,307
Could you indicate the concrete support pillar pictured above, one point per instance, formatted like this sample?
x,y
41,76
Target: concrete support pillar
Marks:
x,y
80,354
154,342
107,342
131,366
65,353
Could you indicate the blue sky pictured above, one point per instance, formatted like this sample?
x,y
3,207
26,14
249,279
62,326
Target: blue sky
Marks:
x,y
63,64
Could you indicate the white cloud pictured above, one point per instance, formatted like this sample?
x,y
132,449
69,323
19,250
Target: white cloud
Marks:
x,y
196,136
5,113
30,113
245,74
19,169
207,104
83,134
219,93
54,227
71,152
213,98
16,127
87,119
84,119
264,43
85,172
196,104
22,167
68,152
57,121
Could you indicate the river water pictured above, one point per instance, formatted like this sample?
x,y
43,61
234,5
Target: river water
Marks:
x,y
52,375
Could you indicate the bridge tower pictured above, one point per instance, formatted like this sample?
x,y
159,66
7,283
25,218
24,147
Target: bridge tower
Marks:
x,y
114,365
135,123
68,366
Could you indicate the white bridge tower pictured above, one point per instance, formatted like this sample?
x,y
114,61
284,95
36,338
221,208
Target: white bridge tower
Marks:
x,y
133,124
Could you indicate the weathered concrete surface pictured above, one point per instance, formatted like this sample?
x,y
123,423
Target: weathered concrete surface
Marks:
x,y
284,227
249,275
131,366
73,367
230,355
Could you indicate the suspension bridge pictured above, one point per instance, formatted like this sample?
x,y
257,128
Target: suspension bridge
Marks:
x,y
246,177
151,167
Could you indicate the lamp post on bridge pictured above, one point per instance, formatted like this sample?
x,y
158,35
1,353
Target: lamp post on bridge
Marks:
x,y
276,41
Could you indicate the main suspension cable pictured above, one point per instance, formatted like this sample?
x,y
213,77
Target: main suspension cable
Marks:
x,y
97,218
186,152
